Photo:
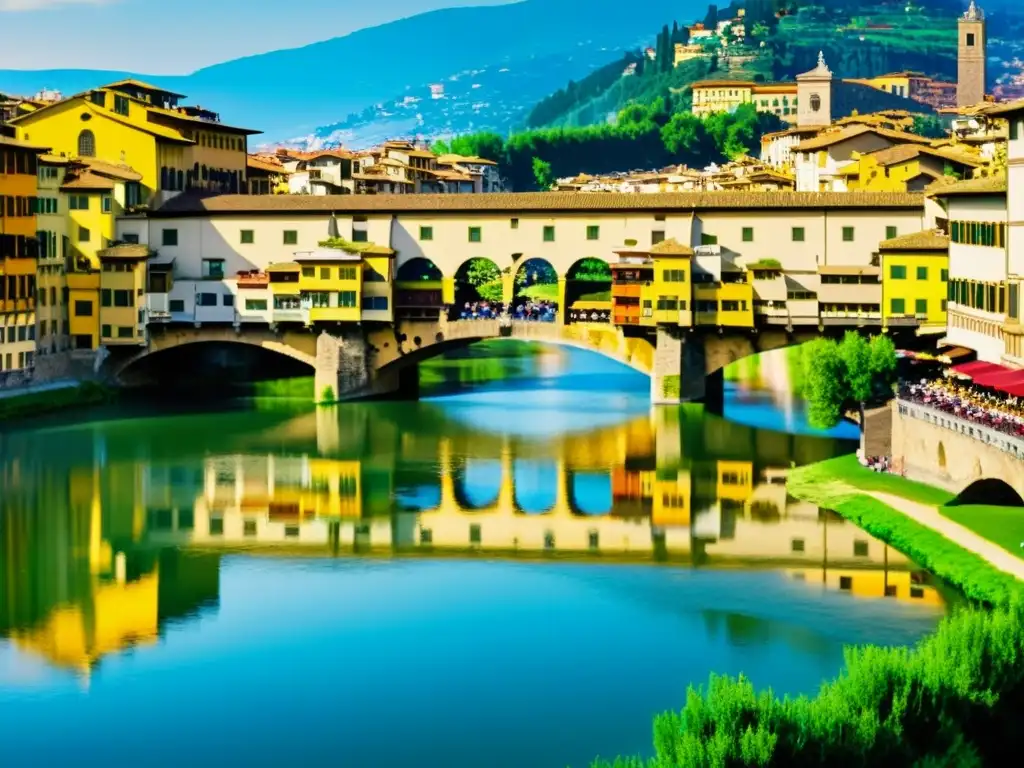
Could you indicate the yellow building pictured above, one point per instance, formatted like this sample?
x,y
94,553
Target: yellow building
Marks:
x,y
330,284
915,276
710,96
174,148
83,307
907,168
52,221
121,315
19,250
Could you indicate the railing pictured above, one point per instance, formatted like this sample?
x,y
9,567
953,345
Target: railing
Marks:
x,y
1011,444
158,306
253,280
17,305
843,317
906,319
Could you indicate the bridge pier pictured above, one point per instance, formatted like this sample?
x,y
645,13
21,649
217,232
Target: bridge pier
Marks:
x,y
341,366
678,375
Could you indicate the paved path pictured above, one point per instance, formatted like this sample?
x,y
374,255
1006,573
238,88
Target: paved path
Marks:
x,y
33,389
966,538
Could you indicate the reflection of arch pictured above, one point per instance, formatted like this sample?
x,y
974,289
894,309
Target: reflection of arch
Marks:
x,y
535,486
942,456
472,483
990,491
418,269
478,278
590,493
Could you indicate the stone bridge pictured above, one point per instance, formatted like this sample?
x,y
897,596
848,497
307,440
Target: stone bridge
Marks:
x,y
978,463
362,361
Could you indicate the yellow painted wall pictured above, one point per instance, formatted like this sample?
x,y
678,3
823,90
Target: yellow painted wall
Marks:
x,y
116,142
101,226
17,310
662,288
742,293
333,278
83,287
932,290
113,317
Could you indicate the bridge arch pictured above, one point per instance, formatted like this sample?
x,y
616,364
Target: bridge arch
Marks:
x,y
477,484
588,284
477,279
590,493
991,491
535,485
299,346
535,279
418,269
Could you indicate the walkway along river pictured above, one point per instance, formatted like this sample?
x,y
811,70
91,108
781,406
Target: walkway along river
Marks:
x,y
521,573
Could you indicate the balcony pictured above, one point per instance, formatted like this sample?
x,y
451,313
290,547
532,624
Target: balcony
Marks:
x,y
158,307
626,290
254,280
10,306
848,317
906,319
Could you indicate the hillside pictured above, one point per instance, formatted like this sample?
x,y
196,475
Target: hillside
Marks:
x,y
294,91
859,38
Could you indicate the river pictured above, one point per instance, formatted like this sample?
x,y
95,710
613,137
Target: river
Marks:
x,y
521,569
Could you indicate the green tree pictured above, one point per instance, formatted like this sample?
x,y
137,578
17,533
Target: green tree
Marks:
x,y
684,134
480,271
928,126
856,354
595,270
824,382
542,173
883,364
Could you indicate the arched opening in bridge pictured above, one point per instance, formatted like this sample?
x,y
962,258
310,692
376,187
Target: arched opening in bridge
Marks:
x,y
478,484
588,291
535,485
536,291
221,369
419,290
590,493
990,491
478,290
417,489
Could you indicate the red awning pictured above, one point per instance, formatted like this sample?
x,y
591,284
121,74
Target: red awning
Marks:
x,y
1000,380
1017,390
978,368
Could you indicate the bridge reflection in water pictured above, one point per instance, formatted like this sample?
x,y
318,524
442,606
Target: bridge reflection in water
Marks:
x,y
99,555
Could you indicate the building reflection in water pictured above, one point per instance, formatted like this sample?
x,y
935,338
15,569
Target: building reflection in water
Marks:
x,y
101,550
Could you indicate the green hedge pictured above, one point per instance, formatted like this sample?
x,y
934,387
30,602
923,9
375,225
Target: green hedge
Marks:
x,y
953,700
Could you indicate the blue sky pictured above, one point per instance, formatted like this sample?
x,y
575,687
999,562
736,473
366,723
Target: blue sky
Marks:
x,y
148,36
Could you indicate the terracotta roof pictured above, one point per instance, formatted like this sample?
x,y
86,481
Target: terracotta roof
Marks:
x,y
264,164
54,159
125,251
141,84
671,247
192,204
794,131
724,84
829,138
113,170
17,144
1009,108
900,153
175,115
87,180
986,185
927,240
774,87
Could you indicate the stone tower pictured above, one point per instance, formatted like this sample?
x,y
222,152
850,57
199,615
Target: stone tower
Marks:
x,y
970,81
814,96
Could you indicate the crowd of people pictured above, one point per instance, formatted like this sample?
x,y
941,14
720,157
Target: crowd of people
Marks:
x,y
592,316
481,310
1001,413
541,311
876,463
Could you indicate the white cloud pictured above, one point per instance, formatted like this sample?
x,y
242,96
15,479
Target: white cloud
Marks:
x,y
10,6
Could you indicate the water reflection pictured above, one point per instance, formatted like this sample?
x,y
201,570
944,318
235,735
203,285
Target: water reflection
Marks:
x,y
474,571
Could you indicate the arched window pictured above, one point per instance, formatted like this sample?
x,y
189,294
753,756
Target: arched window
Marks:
x,y
86,144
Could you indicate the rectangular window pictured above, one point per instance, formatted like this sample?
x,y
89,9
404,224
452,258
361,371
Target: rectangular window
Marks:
x,y
706,239
657,236
1013,300
549,234
474,533
124,299
921,306
359,236
890,233
227,299
475,235
847,234
513,223
84,235
797,545
105,331
309,272
922,273
291,237
169,237
860,548
121,104
970,39
426,233
106,297
247,236
255,305
325,273
945,275
206,299
213,269
593,232
347,299
125,332
748,234
897,306
897,272
798,234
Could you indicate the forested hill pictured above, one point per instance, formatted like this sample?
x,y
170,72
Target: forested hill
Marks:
x,y
779,39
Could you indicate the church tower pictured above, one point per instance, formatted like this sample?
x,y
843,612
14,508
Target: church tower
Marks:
x,y
970,80
814,96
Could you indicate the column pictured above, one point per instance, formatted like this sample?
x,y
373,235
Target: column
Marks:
x,y
679,361
448,291
508,288
560,320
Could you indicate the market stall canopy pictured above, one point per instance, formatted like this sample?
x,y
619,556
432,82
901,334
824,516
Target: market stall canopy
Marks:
x,y
977,368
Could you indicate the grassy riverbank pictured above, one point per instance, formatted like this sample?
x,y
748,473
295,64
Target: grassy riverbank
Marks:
x,y
40,403
952,700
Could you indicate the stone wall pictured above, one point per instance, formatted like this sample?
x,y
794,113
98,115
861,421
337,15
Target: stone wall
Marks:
x,y
58,366
944,456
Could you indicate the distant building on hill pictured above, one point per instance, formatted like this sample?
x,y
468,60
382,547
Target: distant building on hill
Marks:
x,y
971,57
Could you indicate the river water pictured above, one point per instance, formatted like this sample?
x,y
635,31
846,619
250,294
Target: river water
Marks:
x,y
519,570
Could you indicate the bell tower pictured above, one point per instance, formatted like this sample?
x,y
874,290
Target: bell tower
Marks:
x,y
970,80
